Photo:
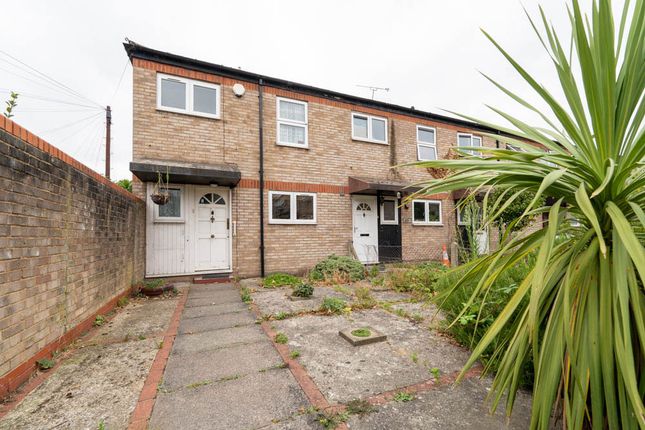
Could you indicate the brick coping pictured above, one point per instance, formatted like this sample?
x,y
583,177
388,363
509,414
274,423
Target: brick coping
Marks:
x,y
143,410
15,379
26,136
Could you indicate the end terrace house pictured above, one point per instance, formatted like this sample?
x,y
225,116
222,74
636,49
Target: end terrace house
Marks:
x,y
268,175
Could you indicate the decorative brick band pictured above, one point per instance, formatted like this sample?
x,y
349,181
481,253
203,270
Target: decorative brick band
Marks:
x,y
14,379
143,410
313,188
23,134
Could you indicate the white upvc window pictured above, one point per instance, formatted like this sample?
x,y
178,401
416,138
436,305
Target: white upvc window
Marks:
x,y
426,143
389,211
292,123
467,139
292,207
426,212
188,96
369,128
173,211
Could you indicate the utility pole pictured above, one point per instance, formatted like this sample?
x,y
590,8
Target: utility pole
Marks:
x,y
108,126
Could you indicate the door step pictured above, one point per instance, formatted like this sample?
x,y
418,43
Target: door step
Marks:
x,y
212,279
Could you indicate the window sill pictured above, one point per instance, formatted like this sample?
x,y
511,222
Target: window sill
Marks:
x,y
378,142
168,221
184,112
293,145
428,224
288,222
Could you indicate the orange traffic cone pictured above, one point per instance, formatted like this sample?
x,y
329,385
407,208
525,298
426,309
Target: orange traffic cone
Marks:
x,y
445,260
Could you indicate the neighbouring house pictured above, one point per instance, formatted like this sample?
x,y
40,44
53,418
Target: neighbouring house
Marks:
x,y
269,175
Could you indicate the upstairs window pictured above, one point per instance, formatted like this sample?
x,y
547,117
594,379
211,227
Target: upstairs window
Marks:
x,y
292,123
292,208
188,96
426,143
369,128
466,139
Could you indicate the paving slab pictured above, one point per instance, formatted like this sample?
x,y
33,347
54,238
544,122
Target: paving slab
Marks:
x,y
207,289
224,308
447,408
217,298
343,372
214,322
215,339
252,401
185,369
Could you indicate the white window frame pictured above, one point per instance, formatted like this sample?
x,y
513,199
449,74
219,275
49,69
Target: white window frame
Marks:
x,y
421,143
190,84
291,122
292,208
427,212
182,206
395,221
472,137
369,138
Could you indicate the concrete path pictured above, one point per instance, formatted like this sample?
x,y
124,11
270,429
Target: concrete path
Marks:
x,y
223,371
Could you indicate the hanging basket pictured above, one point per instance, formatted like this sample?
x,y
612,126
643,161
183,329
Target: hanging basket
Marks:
x,y
160,198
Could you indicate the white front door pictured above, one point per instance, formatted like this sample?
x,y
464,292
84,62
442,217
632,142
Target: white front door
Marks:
x,y
364,210
211,230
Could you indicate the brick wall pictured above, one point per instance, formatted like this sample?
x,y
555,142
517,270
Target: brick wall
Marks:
x,y
71,243
332,155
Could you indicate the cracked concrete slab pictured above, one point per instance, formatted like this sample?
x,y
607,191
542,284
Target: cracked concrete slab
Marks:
x,y
446,408
251,401
215,339
214,322
225,308
186,369
217,298
343,372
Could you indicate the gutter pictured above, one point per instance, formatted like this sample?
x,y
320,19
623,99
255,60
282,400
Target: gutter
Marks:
x,y
261,171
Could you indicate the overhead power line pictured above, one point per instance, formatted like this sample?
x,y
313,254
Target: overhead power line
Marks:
x,y
36,72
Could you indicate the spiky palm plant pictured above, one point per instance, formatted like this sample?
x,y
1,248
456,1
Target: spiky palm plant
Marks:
x,y
580,313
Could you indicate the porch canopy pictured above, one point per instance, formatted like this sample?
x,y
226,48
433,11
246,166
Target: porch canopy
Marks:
x,y
386,187
225,175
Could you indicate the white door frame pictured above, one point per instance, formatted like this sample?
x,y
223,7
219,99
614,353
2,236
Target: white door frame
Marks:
x,y
200,190
374,201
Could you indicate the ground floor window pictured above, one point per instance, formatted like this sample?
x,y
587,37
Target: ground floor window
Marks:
x,y
426,212
171,211
292,208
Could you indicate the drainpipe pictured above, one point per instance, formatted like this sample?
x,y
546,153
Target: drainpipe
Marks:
x,y
261,172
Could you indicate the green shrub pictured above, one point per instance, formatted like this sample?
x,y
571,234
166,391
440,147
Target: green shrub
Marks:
x,y
476,320
45,363
333,305
280,280
303,290
99,320
338,269
153,284
420,278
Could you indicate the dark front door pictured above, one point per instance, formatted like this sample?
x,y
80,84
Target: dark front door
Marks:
x,y
389,230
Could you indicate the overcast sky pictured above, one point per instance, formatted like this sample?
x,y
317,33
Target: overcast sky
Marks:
x,y
428,53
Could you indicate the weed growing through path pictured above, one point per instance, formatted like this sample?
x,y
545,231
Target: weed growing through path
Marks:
x,y
402,396
281,338
333,305
295,354
330,421
45,363
99,320
246,295
359,407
